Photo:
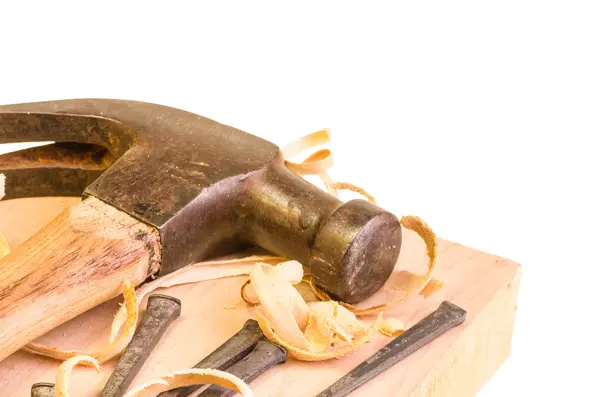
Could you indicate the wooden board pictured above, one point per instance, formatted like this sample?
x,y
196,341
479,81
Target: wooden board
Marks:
x,y
457,364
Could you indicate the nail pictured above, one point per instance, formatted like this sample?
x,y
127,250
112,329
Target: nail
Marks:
x,y
264,356
444,318
160,313
231,351
42,389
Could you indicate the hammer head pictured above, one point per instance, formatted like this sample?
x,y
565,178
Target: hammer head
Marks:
x,y
205,186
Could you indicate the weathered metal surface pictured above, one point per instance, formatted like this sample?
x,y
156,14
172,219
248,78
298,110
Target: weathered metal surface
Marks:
x,y
208,188
42,389
161,311
264,356
61,169
444,318
231,351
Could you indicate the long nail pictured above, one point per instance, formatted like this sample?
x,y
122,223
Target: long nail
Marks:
x,y
231,351
160,313
262,358
42,389
444,318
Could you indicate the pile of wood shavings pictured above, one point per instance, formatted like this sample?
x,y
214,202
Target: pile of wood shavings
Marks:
x,y
316,332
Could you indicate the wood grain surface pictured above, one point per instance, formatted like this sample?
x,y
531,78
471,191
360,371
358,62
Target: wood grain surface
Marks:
x,y
78,260
457,364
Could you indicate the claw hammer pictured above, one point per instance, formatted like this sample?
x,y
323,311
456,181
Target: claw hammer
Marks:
x,y
163,188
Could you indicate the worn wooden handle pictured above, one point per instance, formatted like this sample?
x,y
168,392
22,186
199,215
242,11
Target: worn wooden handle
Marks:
x,y
74,263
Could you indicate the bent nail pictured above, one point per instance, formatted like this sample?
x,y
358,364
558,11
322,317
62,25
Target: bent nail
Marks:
x,y
230,352
160,313
264,356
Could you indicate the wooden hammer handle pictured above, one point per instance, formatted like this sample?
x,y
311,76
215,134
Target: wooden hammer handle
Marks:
x,y
74,263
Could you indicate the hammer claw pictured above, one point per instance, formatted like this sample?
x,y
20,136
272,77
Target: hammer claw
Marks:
x,y
30,126
60,169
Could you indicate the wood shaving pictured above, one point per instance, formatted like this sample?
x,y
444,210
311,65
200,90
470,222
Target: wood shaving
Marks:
x,y
290,271
307,355
433,286
283,305
190,377
392,327
64,372
319,332
355,189
314,164
329,184
114,348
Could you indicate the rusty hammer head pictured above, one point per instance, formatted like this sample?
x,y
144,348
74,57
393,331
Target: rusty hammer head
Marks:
x,y
205,186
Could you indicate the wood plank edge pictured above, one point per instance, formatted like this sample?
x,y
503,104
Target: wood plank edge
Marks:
x,y
480,349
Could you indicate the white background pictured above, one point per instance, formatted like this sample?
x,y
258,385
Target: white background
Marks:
x,y
481,117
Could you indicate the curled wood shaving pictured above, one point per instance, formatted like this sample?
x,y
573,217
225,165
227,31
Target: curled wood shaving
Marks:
x,y
392,327
4,248
308,355
329,323
431,288
290,271
197,272
419,226
319,332
282,304
329,330
51,352
119,344
248,296
348,322
113,349
354,188
64,372
329,184
190,377
317,162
